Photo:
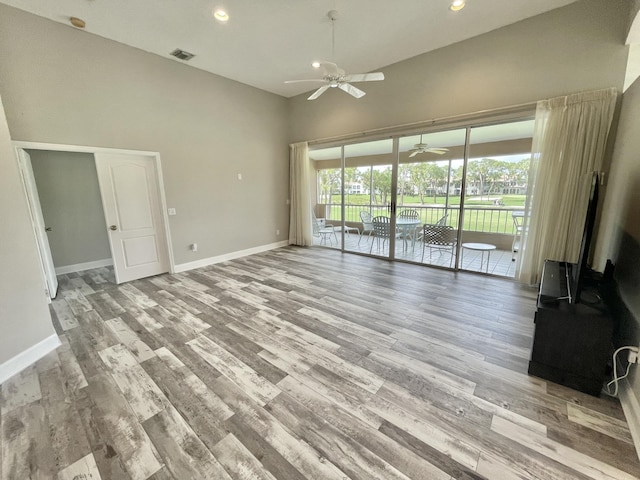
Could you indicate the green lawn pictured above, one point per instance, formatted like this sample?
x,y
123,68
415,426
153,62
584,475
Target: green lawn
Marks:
x,y
363,199
491,219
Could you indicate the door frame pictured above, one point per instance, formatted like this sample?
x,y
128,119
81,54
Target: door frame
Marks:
x,y
159,179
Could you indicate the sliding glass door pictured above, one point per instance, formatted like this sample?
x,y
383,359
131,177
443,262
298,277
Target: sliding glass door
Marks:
x,y
429,179
495,196
327,217
367,197
453,199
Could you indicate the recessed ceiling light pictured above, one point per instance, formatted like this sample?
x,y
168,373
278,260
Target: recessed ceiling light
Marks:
x,y
221,15
315,64
457,5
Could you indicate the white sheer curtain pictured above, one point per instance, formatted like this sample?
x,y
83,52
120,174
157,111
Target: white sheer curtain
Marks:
x,y
570,135
300,231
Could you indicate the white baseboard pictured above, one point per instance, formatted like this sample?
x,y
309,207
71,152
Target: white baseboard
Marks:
x,y
29,356
631,406
79,267
205,262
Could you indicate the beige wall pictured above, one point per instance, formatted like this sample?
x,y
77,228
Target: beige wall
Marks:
x,y
633,13
24,314
620,230
620,209
71,206
62,85
574,48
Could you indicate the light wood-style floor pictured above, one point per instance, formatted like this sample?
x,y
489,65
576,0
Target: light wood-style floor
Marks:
x,y
301,364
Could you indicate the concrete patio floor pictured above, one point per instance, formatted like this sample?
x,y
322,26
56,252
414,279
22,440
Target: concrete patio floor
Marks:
x,y
499,261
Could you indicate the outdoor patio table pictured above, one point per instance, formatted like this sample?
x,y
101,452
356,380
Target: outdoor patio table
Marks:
x,y
406,224
480,247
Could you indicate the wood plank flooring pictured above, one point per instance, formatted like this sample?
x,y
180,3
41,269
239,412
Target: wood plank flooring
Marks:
x,y
301,364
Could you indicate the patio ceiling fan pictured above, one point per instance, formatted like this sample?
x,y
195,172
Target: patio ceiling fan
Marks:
x,y
335,76
425,148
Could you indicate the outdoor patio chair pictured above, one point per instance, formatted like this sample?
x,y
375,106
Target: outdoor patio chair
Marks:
x,y
322,229
367,225
409,233
381,230
443,220
409,213
441,238
518,218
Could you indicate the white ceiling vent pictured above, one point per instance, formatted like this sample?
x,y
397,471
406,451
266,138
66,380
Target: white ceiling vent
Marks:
x,y
182,55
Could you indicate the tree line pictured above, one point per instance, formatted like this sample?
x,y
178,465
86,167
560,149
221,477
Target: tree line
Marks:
x,y
424,179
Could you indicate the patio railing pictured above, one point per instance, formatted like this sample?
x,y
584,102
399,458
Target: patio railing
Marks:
x,y
476,219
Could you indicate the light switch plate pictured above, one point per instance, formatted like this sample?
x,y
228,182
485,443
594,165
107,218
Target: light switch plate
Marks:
x,y
171,211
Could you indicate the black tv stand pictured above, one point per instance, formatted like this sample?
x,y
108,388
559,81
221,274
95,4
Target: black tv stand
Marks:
x,y
572,341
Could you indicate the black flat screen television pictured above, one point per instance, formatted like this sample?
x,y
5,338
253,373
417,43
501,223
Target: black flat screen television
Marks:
x,y
580,271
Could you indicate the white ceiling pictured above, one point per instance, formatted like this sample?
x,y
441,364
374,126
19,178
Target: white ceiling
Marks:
x,y
267,42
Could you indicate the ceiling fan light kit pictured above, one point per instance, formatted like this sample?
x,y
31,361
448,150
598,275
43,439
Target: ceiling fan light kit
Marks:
x,y
336,77
424,148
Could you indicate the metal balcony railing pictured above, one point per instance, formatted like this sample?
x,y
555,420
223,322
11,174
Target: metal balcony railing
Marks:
x,y
487,219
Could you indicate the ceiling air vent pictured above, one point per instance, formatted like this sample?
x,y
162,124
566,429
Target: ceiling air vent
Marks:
x,y
182,55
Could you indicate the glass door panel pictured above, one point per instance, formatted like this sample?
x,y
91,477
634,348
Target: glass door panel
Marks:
x,y
495,196
367,197
429,187
415,184
326,172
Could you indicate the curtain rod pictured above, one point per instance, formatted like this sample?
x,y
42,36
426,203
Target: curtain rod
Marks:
x,y
444,121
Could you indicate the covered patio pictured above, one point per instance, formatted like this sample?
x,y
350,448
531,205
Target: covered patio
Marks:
x,y
495,262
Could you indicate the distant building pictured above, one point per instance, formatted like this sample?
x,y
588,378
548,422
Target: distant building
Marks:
x,y
354,188
513,189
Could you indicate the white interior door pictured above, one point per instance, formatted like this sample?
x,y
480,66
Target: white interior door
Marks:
x,y
46,259
133,211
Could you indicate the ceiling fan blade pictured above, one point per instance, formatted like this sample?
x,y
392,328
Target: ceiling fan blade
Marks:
x,y
307,80
351,90
437,152
318,92
414,153
364,77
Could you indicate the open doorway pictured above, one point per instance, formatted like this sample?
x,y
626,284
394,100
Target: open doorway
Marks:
x,y
67,185
100,207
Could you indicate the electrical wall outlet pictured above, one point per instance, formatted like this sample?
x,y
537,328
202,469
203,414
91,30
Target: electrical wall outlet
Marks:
x,y
633,355
194,247
277,232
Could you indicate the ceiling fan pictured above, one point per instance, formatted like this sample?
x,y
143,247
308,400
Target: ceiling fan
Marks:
x,y
424,148
334,76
